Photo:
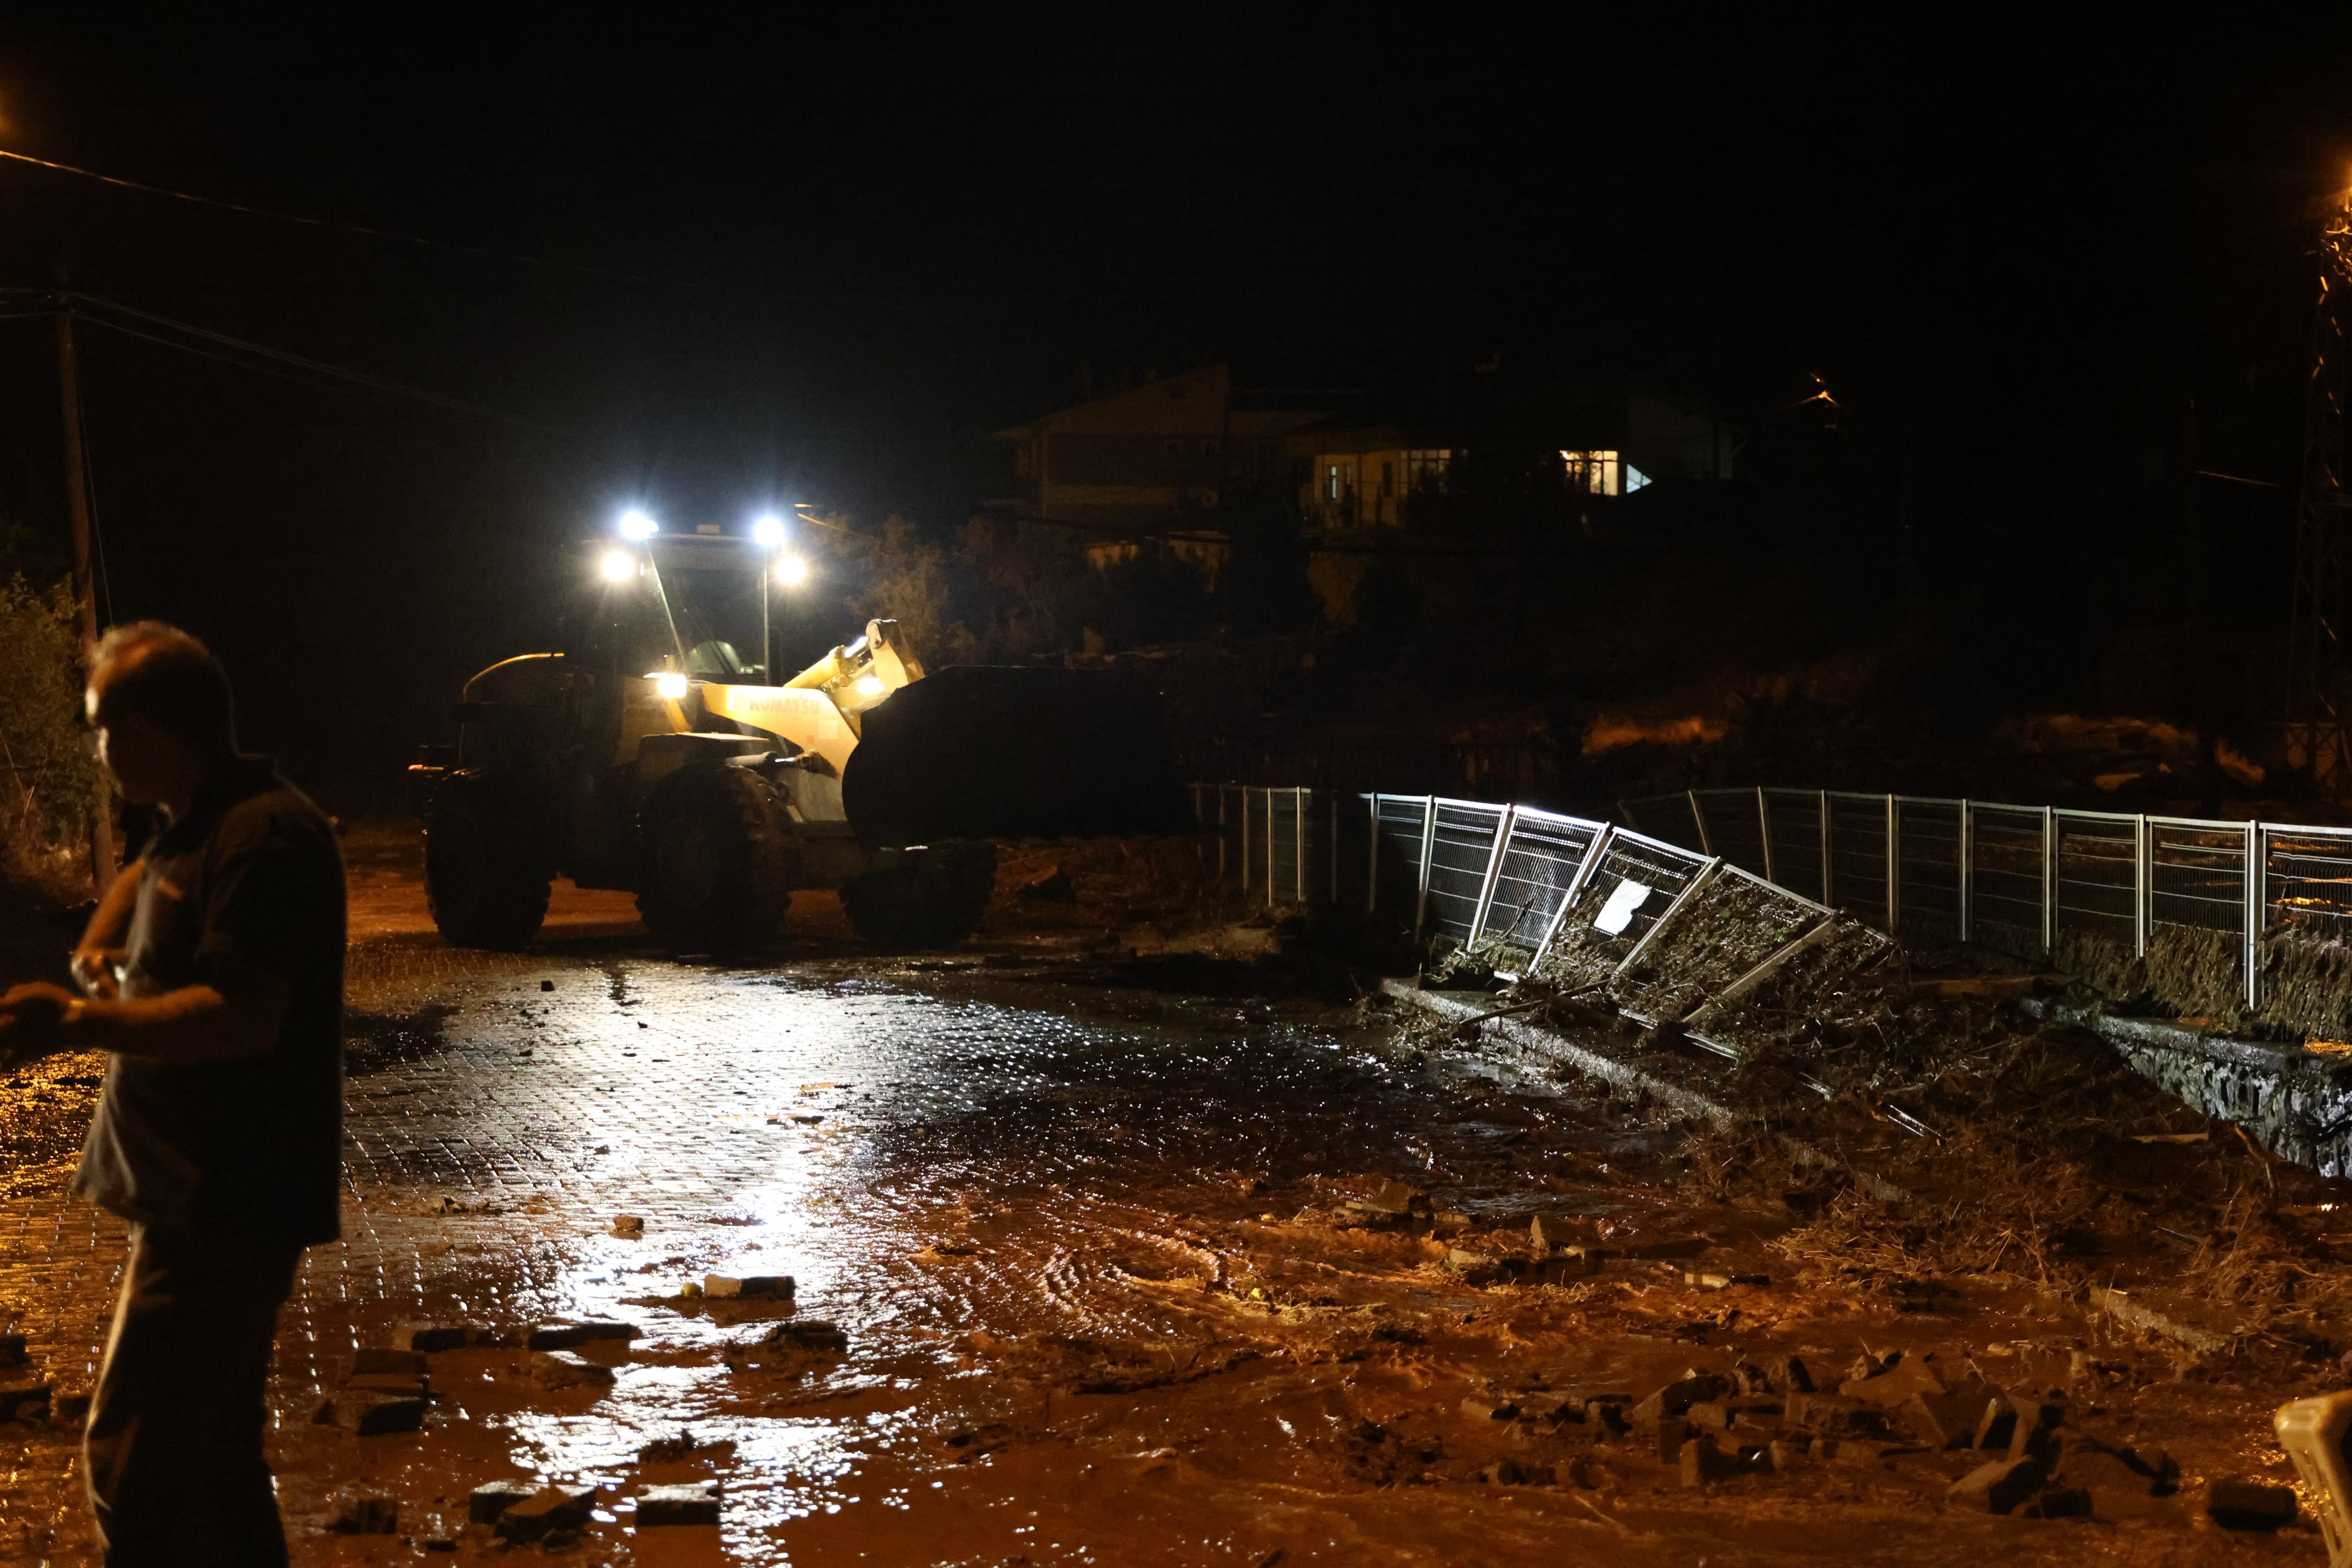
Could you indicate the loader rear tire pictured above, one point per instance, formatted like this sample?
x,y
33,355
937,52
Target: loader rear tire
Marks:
x,y
930,897
486,881
717,862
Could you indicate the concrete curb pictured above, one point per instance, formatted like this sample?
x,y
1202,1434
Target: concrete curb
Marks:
x,y
1678,1098
2294,1102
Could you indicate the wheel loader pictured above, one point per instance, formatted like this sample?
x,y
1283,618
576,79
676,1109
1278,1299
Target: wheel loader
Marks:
x,y
655,753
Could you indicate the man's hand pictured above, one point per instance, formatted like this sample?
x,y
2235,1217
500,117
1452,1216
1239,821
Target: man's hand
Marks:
x,y
95,970
32,1020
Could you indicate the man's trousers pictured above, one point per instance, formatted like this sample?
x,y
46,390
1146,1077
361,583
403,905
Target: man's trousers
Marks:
x,y
174,1447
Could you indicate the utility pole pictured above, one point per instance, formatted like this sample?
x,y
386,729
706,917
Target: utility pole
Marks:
x,y
2316,737
102,829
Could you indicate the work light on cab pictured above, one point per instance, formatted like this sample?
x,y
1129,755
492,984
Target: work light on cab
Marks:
x,y
769,531
636,524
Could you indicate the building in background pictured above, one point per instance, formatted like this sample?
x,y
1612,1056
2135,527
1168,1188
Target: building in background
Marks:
x,y
1150,468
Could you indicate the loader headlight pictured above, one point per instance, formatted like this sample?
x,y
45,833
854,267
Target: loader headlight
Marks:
x,y
636,524
669,685
791,571
618,566
869,686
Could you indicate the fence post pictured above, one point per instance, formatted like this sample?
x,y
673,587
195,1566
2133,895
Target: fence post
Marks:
x,y
2257,896
1428,844
1298,853
2049,879
1698,819
1372,878
1584,869
2143,884
1829,898
1335,849
1764,831
1893,867
1503,825
1244,857
1269,846
1967,869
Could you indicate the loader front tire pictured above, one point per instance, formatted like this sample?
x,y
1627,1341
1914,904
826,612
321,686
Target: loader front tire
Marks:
x,y
929,898
717,862
486,881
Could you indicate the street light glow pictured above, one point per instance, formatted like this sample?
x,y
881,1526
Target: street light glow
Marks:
x,y
618,566
791,571
769,531
636,524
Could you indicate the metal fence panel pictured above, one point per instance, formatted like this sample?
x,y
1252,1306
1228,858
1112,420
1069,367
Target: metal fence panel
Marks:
x,y
2309,877
1927,865
2199,874
1459,850
1396,884
1538,862
1858,858
1793,818
2097,875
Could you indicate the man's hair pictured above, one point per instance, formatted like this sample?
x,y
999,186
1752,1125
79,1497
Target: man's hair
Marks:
x,y
168,677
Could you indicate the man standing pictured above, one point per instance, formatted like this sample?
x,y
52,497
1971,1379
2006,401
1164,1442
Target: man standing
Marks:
x,y
214,974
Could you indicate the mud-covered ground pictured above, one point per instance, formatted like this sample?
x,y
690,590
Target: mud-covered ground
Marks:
x,y
1195,1255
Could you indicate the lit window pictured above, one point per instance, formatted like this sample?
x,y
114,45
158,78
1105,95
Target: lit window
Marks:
x,y
1425,469
1600,473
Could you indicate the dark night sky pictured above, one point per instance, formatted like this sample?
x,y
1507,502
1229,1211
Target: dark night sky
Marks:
x,y
799,262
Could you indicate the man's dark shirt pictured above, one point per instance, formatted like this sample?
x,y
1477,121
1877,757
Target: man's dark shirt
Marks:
x,y
251,874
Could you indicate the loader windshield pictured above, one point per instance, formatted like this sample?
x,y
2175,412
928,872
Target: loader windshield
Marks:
x,y
699,610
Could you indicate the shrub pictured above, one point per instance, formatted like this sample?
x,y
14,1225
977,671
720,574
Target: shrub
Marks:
x,y
52,783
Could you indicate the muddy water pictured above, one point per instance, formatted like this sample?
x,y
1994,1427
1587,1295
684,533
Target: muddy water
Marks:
x,y
1040,1232
1079,1229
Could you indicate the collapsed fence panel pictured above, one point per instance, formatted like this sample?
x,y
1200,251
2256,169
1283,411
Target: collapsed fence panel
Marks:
x,y
1463,838
1538,864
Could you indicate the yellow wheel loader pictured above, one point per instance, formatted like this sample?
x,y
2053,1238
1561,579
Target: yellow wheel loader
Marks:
x,y
656,754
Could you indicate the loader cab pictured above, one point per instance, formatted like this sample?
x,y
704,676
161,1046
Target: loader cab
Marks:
x,y
695,604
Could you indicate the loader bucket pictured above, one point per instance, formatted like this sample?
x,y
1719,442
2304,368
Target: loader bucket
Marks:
x,y
985,751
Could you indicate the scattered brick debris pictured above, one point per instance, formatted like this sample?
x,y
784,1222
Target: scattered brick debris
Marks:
x,y
2236,1503
695,1502
568,1336
368,1516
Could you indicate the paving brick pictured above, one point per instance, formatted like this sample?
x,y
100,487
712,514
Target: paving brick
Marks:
x,y
548,1511
569,1336
368,1516
1999,1486
2237,1503
568,1369
369,1360
692,1503
372,1415
491,1498
423,1338
1678,1396
769,1285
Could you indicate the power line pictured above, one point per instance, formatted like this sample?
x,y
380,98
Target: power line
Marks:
x,y
360,228
98,315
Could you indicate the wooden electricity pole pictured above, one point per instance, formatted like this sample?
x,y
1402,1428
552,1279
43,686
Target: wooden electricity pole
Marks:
x,y
101,830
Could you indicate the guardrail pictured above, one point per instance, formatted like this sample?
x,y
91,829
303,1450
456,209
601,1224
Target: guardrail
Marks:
x,y
2040,880
1668,932
1473,870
